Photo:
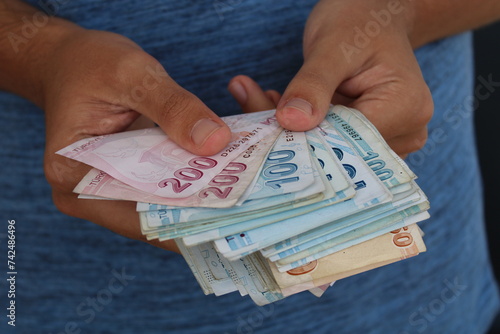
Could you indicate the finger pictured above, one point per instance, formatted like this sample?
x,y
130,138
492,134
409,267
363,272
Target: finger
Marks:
x,y
341,99
308,96
183,117
117,216
403,145
142,122
392,95
249,95
274,96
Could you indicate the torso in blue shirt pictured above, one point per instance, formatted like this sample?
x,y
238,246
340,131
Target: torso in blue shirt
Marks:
x,y
64,261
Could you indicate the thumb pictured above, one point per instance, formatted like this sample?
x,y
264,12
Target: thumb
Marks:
x,y
183,117
307,98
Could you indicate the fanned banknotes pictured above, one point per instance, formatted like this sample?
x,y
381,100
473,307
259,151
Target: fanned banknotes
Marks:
x,y
275,213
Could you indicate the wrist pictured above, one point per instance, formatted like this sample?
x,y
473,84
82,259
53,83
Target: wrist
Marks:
x,y
410,17
28,43
434,20
419,34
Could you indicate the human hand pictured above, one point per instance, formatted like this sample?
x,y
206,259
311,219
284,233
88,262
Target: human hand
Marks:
x,y
358,53
98,83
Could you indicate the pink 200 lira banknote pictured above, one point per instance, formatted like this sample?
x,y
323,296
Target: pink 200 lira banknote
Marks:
x,y
223,191
148,160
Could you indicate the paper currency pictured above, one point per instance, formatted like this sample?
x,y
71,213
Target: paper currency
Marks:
x,y
222,191
275,213
390,247
287,168
149,161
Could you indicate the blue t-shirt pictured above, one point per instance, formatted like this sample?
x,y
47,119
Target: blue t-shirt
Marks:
x,y
76,277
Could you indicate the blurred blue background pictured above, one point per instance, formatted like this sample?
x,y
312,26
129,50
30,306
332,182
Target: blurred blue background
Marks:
x,y
487,118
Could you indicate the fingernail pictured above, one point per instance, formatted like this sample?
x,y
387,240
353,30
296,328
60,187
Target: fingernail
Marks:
x,y
202,130
300,105
239,92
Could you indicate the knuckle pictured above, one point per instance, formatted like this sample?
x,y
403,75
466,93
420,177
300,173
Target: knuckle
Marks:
x,y
137,70
61,177
175,107
60,173
63,203
133,60
418,141
315,82
419,100
53,175
426,109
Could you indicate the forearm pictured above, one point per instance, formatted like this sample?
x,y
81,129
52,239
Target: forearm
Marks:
x,y
27,38
435,19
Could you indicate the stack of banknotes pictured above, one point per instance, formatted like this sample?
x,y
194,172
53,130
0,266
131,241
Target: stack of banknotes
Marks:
x,y
276,212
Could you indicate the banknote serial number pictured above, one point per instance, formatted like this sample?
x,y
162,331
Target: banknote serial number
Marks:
x,y
351,132
289,135
242,138
346,127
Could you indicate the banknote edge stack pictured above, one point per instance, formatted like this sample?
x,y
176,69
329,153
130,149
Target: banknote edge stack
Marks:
x,y
375,222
